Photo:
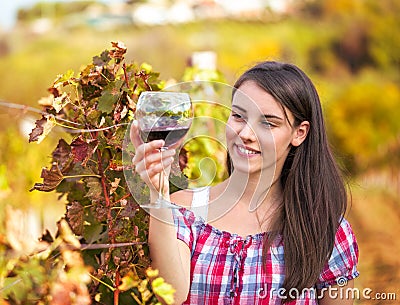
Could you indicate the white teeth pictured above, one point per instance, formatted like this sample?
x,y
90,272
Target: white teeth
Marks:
x,y
246,151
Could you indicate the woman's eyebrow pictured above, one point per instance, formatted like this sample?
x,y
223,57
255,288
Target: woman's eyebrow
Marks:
x,y
266,116
272,116
239,108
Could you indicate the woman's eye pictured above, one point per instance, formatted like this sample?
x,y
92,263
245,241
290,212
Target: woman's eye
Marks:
x,y
267,124
237,116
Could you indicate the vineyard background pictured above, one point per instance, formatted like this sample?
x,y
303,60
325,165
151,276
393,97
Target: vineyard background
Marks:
x,y
349,48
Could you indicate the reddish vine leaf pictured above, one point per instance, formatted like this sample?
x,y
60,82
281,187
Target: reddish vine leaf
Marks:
x,y
119,51
41,130
74,216
62,155
38,130
108,90
54,91
79,149
102,60
51,179
83,149
93,144
143,76
99,211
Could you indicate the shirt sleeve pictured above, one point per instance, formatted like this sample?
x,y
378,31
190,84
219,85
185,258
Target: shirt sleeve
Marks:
x,y
184,220
342,264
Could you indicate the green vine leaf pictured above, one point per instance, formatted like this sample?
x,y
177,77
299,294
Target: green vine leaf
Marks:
x,y
110,96
100,210
62,80
94,192
163,289
129,281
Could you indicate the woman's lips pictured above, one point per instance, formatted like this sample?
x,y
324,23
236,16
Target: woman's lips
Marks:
x,y
246,151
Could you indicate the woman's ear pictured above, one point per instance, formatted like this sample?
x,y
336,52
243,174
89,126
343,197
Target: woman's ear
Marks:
x,y
300,133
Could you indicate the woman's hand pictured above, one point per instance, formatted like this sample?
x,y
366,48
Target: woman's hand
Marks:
x,y
169,255
149,161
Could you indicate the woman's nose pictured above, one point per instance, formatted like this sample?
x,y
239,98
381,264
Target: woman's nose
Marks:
x,y
247,133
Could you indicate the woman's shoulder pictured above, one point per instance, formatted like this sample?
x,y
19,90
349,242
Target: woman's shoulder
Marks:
x,y
345,240
344,232
182,198
342,263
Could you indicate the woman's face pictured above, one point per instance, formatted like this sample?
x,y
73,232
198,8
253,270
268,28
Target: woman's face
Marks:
x,y
258,133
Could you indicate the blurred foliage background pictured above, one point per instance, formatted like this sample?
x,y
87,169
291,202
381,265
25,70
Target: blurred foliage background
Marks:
x,y
349,48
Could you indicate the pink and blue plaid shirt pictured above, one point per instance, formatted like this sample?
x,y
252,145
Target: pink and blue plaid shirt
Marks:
x,y
229,269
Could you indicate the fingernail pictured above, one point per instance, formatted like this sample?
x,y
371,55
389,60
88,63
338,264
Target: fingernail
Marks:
x,y
160,142
171,152
168,160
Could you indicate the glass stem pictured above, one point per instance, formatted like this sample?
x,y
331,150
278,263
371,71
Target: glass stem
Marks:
x,y
161,180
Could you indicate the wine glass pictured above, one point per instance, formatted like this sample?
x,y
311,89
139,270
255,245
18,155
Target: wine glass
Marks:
x,y
167,116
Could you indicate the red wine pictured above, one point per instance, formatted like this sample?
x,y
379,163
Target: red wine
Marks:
x,y
170,135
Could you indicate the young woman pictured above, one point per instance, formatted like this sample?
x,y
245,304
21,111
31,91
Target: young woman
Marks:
x,y
273,232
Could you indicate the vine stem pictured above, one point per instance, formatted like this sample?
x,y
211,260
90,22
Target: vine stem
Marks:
x,y
104,185
125,75
100,281
117,283
26,108
80,130
55,119
123,198
107,246
83,175
109,222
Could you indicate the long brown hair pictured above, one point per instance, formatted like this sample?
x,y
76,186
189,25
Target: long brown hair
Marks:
x,y
314,194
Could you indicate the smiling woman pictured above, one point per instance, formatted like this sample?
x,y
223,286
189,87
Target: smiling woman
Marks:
x,y
277,223
260,126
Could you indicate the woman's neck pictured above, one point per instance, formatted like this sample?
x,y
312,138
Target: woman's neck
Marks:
x,y
242,199
257,192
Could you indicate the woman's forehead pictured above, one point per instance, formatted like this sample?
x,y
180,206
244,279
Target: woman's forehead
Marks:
x,y
252,98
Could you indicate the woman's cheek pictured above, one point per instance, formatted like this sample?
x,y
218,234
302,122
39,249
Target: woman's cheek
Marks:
x,y
231,130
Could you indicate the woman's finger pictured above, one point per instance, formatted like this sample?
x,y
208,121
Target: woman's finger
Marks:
x,y
153,158
147,148
150,170
134,134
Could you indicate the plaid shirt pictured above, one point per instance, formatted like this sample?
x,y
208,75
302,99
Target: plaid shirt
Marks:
x,y
229,269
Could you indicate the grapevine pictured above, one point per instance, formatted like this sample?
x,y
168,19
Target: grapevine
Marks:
x,y
107,228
